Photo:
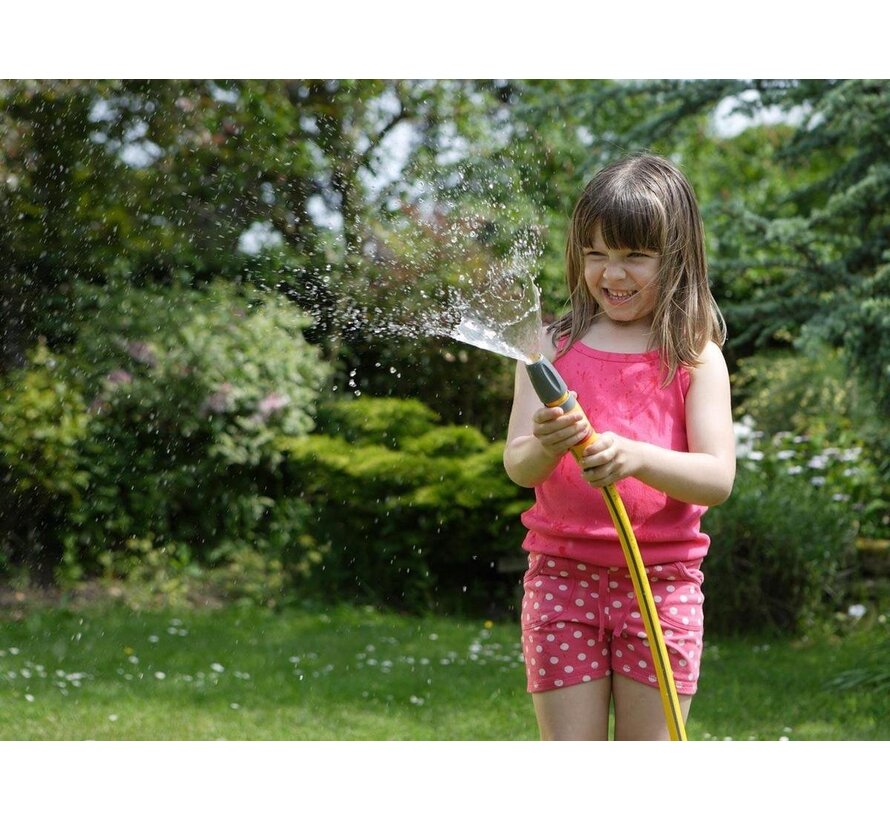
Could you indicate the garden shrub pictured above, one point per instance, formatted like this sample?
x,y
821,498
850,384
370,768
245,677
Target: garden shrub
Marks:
x,y
182,394
414,515
43,424
781,552
812,413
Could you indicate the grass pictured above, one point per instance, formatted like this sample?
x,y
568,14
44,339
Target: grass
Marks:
x,y
106,672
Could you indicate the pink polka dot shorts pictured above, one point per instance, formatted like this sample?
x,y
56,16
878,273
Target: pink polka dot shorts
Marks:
x,y
581,622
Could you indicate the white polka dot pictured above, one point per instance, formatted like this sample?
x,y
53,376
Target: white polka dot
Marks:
x,y
582,656
557,608
564,647
591,642
683,663
576,633
569,669
562,587
537,605
584,584
589,616
539,648
642,635
618,653
671,587
582,567
563,574
594,665
595,576
539,583
686,621
557,683
653,679
642,664
668,633
554,661
673,610
657,599
551,637
626,668
579,602
549,596
616,604
586,679
560,625
684,598
533,662
634,614
659,568
551,563
613,584
542,672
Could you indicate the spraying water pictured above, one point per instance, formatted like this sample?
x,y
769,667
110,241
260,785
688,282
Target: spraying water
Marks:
x,y
504,315
495,308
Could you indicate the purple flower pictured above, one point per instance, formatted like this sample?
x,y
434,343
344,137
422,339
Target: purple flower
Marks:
x,y
142,353
273,402
219,401
268,405
119,377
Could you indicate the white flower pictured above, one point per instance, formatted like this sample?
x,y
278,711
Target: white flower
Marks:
x,y
856,611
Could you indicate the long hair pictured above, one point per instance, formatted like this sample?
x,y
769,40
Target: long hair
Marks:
x,y
645,202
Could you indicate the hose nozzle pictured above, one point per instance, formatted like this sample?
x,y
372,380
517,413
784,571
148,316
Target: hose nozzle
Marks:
x,y
549,385
553,392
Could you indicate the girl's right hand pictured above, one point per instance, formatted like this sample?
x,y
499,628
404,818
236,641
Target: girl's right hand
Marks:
x,y
557,432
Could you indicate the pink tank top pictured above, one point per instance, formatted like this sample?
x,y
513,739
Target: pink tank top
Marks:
x,y
621,393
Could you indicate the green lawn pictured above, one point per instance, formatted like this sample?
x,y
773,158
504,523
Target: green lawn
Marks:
x,y
106,672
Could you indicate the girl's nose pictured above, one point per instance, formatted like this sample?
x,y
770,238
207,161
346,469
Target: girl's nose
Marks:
x,y
613,272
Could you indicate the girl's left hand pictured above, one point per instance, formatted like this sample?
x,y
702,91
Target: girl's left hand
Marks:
x,y
609,459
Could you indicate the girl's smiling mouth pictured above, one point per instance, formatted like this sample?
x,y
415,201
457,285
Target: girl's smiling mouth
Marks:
x,y
618,296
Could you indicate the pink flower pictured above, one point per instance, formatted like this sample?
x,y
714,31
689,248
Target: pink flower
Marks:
x,y
142,353
219,401
119,377
268,406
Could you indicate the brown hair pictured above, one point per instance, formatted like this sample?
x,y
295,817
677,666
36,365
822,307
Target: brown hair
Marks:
x,y
645,202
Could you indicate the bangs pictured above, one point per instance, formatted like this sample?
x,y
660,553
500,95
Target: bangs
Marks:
x,y
627,219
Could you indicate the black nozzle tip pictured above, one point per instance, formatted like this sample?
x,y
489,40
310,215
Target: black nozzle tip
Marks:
x,y
548,384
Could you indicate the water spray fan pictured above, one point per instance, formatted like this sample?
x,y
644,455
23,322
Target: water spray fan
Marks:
x,y
553,392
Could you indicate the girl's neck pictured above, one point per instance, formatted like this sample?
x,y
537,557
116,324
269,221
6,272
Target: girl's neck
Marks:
x,y
619,337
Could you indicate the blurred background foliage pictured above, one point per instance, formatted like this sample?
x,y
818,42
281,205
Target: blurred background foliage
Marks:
x,y
185,400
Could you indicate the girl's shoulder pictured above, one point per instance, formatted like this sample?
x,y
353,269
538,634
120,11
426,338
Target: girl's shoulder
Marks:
x,y
711,365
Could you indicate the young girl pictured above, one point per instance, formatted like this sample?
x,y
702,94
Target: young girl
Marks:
x,y
641,349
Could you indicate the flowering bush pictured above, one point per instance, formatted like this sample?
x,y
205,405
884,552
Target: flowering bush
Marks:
x,y
782,545
181,394
846,474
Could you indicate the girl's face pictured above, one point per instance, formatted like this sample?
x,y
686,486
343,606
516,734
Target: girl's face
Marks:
x,y
623,281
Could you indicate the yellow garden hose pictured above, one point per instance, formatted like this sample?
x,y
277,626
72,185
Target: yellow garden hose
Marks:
x,y
553,392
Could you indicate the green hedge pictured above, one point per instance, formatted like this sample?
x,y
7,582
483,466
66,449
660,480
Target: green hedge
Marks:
x,y
415,516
